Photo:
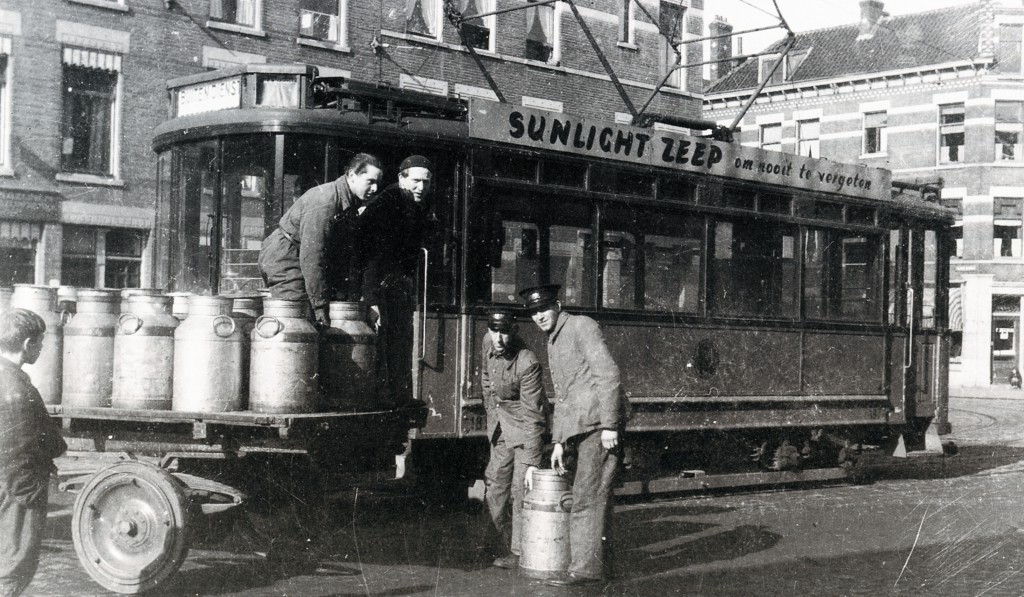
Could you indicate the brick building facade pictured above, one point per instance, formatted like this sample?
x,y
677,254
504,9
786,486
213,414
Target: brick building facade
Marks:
x,y
83,85
937,97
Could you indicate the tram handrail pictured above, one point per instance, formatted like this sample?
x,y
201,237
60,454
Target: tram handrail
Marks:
x,y
908,355
423,305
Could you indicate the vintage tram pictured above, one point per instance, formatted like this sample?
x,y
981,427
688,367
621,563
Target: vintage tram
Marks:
x,y
770,313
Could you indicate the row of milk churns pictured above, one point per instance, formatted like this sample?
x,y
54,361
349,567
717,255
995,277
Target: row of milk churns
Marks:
x,y
148,350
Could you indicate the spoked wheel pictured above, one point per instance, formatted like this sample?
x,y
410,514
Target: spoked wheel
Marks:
x,y
130,527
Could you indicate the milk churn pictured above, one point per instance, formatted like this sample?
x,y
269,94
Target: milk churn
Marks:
x,y
66,297
5,298
545,533
208,358
284,359
89,349
46,371
348,359
127,292
245,310
144,354
180,306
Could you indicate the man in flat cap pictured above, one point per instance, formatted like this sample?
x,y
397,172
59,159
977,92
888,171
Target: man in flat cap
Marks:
x,y
395,228
590,413
516,422
296,259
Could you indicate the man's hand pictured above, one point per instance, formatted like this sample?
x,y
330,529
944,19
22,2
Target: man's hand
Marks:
x,y
321,317
374,317
609,439
528,481
556,460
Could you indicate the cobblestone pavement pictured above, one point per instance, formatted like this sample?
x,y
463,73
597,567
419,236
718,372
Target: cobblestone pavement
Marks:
x,y
927,526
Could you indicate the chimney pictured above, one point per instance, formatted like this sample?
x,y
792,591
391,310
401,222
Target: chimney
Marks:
x,y
721,48
870,14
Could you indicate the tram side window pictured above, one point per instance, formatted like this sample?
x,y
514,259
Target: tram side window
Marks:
x,y
929,296
618,280
572,264
754,270
842,275
534,254
892,273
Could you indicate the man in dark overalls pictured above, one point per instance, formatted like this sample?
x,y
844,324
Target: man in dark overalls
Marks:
x,y
28,444
510,376
296,259
590,414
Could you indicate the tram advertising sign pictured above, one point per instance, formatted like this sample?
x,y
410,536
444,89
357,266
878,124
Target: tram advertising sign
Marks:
x,y
210,96
593,138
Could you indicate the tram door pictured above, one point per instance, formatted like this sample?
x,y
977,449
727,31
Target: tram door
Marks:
x,y
922,276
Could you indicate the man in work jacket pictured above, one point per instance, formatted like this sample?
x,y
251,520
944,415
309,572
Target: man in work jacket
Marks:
x,y
516,421
295,259
28,444
590,413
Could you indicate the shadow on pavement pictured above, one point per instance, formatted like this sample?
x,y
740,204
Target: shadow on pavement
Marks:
x,y
969,460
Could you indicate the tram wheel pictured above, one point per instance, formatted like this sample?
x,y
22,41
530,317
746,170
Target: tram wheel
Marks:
x,y
130,527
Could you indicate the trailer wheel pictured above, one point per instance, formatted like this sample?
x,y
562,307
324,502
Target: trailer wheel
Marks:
x,y
130,527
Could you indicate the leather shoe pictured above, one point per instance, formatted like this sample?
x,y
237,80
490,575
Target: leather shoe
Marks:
x,y
510,562
571,580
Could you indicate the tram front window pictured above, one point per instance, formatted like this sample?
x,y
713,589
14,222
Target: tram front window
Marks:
x,y
754,269
246,206
193,220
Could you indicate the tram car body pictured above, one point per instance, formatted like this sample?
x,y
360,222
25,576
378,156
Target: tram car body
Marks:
x,y
768,311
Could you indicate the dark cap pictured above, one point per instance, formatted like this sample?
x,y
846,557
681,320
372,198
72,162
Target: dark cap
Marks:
x,y
416,161
501,320
540,296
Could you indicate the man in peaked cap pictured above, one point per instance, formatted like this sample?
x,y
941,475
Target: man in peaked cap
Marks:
x,y
395,227
590,413
516,421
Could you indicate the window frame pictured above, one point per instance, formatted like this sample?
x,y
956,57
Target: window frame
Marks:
x,y
627,22
1009,126
761,136
222,23
437,26
101,256
801,139
556,33
945,111
6,112
340,30
883,135
112,169
1017,45
678,78
1007,214
490,23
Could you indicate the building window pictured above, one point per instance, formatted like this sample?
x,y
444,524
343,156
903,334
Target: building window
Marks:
x,y
18,244
765,65
542,33
1009,49
102,257
1006,227
423,17
842,275
244,13
808,133
89,117
793,61
875,136
957,234
626,21
324,20
771,136
478,33
951,133
1009,127
673,27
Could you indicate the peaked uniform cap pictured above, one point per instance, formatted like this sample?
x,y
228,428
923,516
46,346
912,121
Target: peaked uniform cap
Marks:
x,y
415,161
540,296
501,320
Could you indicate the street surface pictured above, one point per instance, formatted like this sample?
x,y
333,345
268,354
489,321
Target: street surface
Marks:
x,y
926,526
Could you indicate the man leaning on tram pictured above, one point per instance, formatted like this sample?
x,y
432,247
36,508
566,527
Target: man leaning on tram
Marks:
x,y
296,259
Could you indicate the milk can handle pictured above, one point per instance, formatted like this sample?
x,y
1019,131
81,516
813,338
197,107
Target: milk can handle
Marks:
x,y
65,317
565,502
263,318
121,322
220,318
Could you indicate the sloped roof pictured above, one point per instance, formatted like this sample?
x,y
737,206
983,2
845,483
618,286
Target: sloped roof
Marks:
x,y
908,41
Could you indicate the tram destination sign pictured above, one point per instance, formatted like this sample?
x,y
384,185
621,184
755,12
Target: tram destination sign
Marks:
x,y
222,94
593,138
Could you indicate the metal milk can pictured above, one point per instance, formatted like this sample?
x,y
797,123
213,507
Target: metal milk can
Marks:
x,y
89,349
208,358
544,543
144,354
180,307
245,310
127,292
46,371
348,359
66,298
284,360
5,298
